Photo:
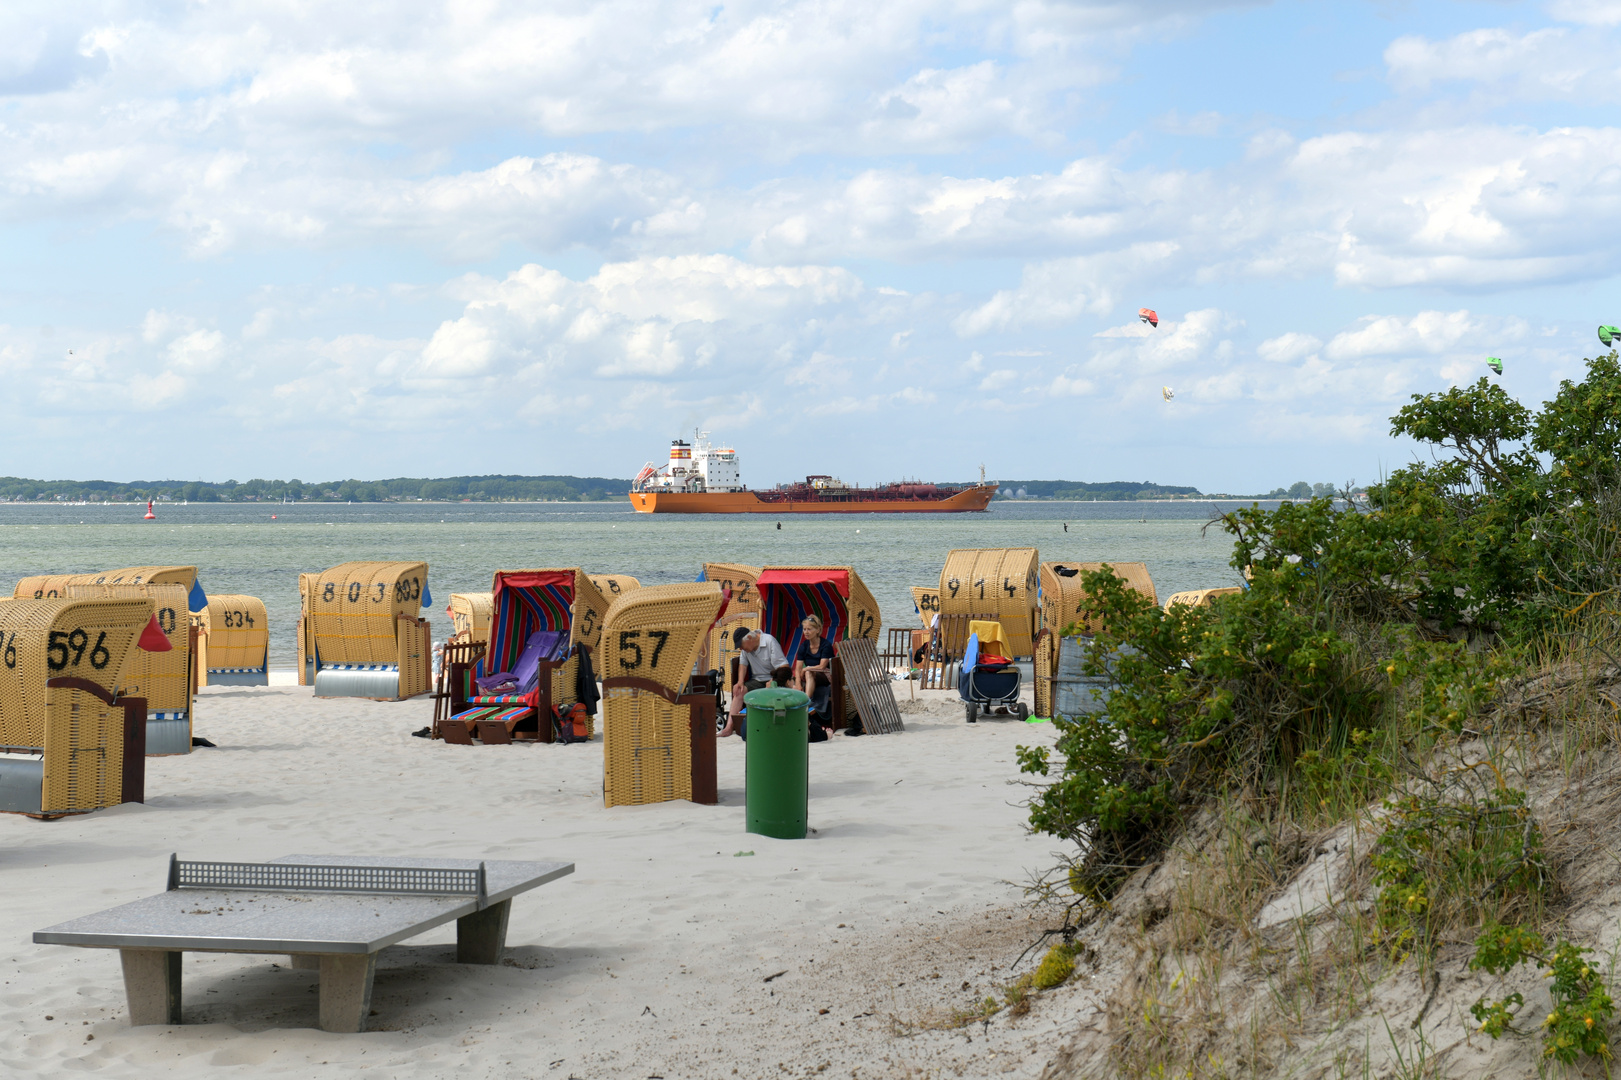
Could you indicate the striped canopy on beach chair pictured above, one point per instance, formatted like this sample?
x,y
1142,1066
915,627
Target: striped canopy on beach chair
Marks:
x,y
524,602
787,596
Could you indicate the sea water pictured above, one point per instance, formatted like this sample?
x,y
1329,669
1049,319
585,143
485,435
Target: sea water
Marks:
x,y
259,549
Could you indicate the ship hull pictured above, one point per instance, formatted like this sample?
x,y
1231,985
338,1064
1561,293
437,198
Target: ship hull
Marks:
x,y
747,502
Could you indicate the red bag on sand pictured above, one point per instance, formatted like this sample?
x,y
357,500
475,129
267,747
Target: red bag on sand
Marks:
x,y
571,723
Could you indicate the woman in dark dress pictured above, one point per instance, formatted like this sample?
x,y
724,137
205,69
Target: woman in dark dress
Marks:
x,y
813,666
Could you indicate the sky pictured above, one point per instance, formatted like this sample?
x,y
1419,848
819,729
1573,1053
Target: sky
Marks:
x,y
361,239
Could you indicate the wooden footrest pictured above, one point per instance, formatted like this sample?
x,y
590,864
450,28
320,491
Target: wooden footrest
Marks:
x,y
497,727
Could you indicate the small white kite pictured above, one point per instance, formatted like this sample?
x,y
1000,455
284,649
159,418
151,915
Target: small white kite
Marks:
x,y
1167,393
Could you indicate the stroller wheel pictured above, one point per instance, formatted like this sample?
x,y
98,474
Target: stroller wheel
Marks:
x,y
973,712
1023,712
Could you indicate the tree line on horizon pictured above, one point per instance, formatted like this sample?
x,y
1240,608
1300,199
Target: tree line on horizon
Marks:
x,y
493,488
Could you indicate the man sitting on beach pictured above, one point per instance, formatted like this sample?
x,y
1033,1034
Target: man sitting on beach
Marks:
x,y
762,656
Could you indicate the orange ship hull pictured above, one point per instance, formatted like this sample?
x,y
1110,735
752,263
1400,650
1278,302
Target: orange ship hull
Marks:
x,y
747,502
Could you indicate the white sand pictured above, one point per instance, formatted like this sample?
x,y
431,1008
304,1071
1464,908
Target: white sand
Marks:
x,y
649,961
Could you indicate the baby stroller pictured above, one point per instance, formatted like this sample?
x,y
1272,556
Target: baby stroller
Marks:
x,y
988,678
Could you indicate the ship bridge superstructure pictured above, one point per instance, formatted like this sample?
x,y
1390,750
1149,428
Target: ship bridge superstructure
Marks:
x,y
693,468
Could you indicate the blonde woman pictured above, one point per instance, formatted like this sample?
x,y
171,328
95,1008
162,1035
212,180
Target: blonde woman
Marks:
x,y
813,664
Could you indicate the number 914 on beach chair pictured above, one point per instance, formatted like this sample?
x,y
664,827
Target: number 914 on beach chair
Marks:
x,y
68,745
359,634
544,626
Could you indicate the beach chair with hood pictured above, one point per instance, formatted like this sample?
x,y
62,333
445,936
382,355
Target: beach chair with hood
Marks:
x,y
544,627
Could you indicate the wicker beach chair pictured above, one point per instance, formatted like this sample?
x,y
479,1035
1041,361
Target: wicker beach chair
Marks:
x,y
470,616
613,586
233,648
359,634
167,680
525,603
1200,597
67,744
658,725
1064,602
838,596
994,583
926,602
1065,606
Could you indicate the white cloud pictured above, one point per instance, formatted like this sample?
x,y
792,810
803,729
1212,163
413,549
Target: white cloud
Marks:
x,y
1289,347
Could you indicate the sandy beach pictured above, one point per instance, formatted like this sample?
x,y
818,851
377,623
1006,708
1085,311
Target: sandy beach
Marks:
x,y
652,960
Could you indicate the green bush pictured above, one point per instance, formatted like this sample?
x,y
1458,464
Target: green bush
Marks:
x,y
1582,1005
1452,857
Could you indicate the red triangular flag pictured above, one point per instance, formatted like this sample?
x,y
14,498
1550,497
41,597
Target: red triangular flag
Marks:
x,y
153,639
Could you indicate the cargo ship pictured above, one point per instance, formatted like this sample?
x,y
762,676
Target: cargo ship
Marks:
x,y
704,479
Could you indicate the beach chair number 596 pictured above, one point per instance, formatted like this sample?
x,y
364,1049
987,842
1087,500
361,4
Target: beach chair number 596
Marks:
x,y
628,645
63,645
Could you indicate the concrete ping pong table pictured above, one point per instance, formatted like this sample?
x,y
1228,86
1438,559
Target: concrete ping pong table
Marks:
x,y
331,912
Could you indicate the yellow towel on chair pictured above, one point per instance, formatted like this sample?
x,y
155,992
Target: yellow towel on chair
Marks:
x,y
990,637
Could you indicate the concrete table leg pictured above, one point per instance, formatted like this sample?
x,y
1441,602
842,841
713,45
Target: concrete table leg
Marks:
x,y
346,980
152,984
301,962
481,936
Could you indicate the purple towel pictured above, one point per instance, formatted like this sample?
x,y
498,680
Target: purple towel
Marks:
x,y
542,645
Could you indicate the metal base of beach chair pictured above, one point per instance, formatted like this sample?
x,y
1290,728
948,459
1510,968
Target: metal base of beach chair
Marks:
x,y
379,683
256,677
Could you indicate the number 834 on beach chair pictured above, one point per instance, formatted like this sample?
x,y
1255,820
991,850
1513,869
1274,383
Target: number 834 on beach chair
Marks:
x,y
544,627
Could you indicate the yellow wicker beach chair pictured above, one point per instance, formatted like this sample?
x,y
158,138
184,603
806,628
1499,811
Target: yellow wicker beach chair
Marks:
x,y
994,583
1064,601
739,580
63,746
360,634
234,646
1064,606
658,731
470,616
1200,597
164,679
927,602
613,586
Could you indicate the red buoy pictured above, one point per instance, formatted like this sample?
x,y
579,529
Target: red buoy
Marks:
x,y
150,516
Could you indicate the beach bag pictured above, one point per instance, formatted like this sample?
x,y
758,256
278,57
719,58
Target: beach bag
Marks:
x,y
572,723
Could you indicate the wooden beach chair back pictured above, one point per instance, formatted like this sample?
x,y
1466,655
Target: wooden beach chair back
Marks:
x,y
658,730
234,646
737,578
470,616
47,586
994,583
1064,602
613,586
361,632
1200,597
164,679
62,748
926,602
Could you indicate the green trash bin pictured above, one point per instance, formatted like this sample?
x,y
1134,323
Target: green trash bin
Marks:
x,y
776,777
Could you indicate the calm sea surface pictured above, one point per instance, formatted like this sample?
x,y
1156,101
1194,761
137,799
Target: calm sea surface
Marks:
x,y
241,548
